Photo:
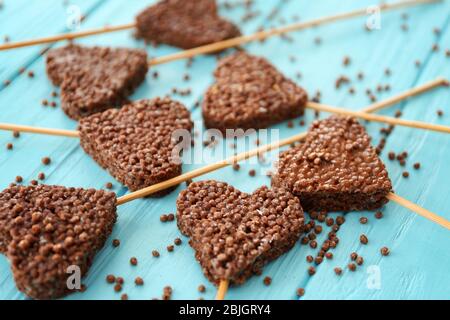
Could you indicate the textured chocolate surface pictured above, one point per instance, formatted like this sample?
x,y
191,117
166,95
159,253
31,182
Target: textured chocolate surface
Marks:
x,y
335,168
235,234
184,23
249,92
94,79
135,143
46,229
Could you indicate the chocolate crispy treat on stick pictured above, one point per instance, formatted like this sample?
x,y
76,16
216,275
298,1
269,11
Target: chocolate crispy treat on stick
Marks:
x,y
135,143
46,229
234,234
94,79
250,93
184,23
335,168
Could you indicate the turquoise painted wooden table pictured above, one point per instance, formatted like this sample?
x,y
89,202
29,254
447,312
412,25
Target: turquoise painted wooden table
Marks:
x,y
419,264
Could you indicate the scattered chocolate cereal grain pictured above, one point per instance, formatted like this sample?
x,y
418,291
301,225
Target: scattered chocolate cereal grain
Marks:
x,y
359,260
267,281
300,292
46,161
133,261
363,239
110,278
139,281
120,280
116,243
385,251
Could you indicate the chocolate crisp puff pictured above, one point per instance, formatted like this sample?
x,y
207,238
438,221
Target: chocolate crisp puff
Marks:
x,y
250,93
94,79
335,168
46,229
135,143
184,23
234,234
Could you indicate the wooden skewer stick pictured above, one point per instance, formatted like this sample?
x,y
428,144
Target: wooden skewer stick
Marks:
x,y
440,81
222,290
66,36
38,130
419,210
209,168
222,44
234,42
378,118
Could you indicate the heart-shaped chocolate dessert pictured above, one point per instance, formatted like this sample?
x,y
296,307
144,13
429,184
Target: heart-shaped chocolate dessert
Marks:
x,y
335,168
234,234
47,230
184,23
135,143
94,79
250,93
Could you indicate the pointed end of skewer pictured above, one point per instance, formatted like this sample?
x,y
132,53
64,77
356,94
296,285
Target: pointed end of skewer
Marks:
x,y
444,81
222,290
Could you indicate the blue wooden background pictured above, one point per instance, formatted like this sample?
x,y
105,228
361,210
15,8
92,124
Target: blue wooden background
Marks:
x,y
419,264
